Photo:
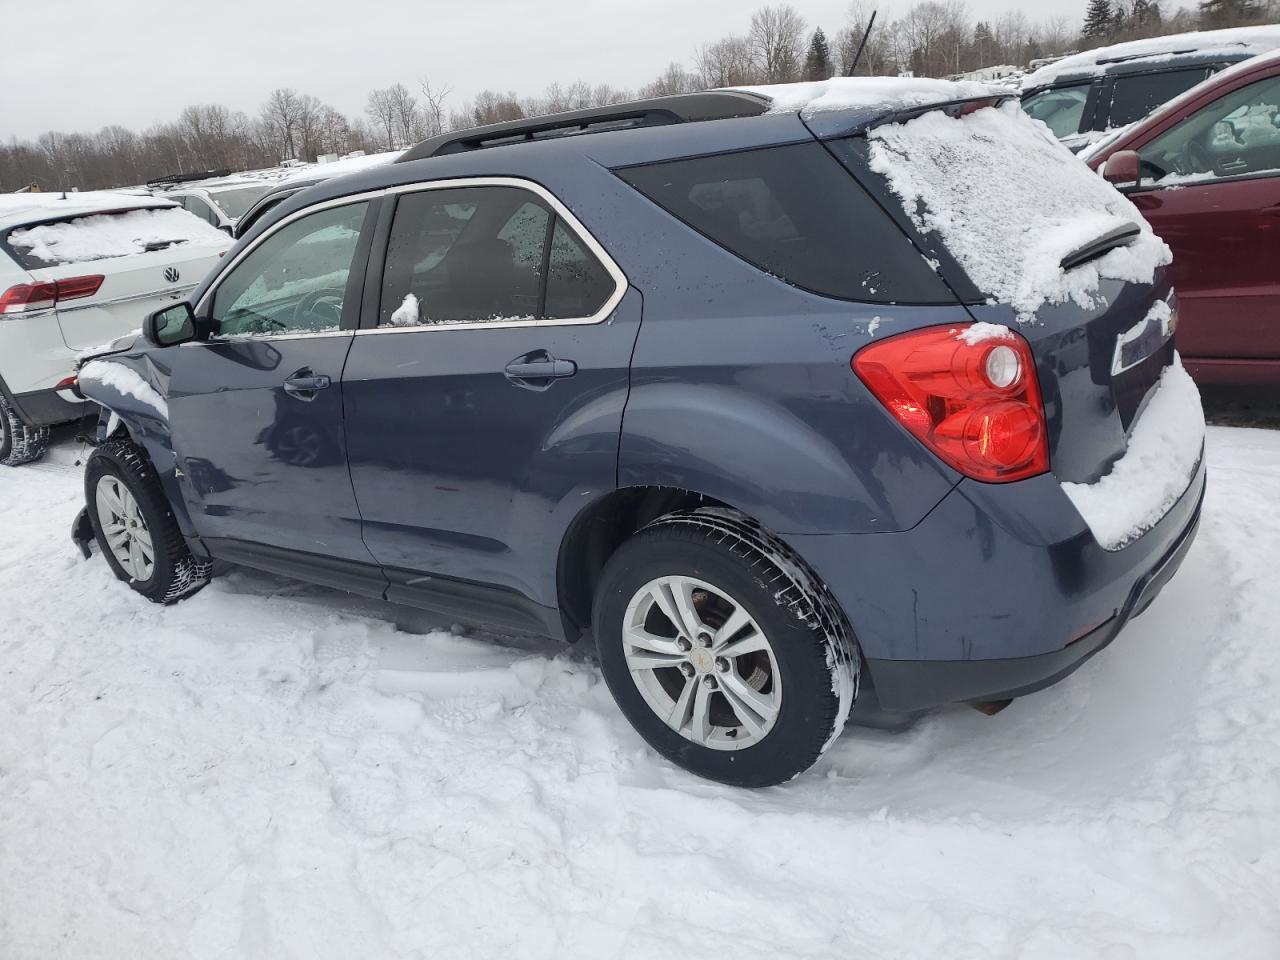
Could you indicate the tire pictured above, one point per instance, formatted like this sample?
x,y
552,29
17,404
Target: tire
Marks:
x,y
750,719
119,478
19,442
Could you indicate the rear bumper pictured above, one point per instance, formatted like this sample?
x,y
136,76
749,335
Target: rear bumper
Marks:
x,y
999,592
1220,372
44,408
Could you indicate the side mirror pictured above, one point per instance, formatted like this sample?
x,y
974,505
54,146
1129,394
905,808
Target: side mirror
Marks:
x,y
172,325
1123,170
227,228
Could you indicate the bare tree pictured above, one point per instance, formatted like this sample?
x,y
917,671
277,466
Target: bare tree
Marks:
x,y
776,40
282,114
727,63
382,112
433,101
404,113
673,80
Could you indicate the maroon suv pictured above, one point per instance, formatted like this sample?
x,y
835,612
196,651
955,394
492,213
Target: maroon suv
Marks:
x,y
1205,172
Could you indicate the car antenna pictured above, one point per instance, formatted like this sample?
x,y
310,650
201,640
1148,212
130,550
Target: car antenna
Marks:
x,y
862,46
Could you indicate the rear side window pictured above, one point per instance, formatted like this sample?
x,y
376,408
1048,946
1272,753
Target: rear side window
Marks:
x,y
488,254
101,236
1133,98
795,213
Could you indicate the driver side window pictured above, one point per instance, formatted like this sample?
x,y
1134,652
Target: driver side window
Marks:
x,y
295,281
1236,135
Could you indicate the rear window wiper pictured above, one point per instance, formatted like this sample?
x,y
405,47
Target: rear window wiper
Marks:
x,y
155,245
1118,237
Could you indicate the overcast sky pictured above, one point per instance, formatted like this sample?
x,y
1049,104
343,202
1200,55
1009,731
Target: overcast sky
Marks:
x,y
89,63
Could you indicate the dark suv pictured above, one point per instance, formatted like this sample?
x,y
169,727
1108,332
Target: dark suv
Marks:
x,y
695,378
1083,97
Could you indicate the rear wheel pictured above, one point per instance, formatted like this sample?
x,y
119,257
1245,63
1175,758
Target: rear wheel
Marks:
x,y
19,442
722,650
134,526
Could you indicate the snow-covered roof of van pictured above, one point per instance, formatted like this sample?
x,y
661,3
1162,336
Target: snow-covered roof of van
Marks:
x,y
1237,39
20,208
871,93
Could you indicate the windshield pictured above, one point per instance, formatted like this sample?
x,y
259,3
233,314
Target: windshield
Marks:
x,y
1060,108
235,202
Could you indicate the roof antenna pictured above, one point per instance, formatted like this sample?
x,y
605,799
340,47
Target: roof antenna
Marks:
x,y
862,46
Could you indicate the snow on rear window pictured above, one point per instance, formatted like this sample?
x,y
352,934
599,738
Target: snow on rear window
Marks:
x,y
103,235
1010,203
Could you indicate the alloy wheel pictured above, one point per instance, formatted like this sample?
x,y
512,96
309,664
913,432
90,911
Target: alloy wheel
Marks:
x,y
702,663
124,528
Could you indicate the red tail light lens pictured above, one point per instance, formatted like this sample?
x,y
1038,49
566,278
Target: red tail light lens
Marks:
x,y
972,398
25,297
75,287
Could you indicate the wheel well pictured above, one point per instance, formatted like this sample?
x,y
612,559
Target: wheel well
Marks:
x,y
597,532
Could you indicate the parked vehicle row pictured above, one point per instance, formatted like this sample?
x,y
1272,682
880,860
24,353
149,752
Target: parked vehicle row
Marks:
x,y
1204,170
781,405
1082,98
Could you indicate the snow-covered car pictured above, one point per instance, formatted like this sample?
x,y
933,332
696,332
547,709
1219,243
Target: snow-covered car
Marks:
x,y
78,270
778,394
218,202
1083,97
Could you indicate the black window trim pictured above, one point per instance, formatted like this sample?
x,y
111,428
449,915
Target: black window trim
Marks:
x,y
369,314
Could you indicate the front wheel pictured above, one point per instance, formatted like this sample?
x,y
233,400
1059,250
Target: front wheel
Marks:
x,y
722,650
134,526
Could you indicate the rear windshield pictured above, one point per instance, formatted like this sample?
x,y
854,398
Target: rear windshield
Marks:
x,y
794,213
234,203
100,236
1007,202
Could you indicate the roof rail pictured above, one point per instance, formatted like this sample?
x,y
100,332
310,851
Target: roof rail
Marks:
x,y
176,178
656,111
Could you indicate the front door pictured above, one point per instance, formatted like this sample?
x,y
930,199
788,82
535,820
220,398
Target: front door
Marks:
x,y
484,394
256,408
1214,197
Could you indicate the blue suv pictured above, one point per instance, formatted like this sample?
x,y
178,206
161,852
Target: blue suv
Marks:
x,y
687,376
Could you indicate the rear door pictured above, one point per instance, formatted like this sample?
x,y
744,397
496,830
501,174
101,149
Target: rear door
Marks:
x,y
1214,196
484,393
256,408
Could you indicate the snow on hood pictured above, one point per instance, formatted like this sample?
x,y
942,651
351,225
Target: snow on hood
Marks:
x,y
843,93
1158,464
1257,39
116,345
124,381
1010,203
340,168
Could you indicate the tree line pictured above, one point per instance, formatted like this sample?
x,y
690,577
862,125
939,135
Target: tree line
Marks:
x,y
934,38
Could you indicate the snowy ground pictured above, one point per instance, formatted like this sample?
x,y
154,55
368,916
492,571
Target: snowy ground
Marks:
x,y
271,770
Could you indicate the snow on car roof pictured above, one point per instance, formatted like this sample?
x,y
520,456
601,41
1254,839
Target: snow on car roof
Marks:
x,y
21,208
844,93
340,168
1257,39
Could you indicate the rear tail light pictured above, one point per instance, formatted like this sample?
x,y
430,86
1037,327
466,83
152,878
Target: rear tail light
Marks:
x,y
969,394
25,297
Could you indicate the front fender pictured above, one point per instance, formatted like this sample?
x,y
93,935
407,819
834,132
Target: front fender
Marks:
x,y
131,390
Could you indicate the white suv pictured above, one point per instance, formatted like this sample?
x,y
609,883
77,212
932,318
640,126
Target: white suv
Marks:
x,y
219,203
78,270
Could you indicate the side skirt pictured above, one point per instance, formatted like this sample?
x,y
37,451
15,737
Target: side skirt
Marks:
x,y
476,604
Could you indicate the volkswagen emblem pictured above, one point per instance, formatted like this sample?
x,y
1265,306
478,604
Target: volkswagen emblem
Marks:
x,y
171,274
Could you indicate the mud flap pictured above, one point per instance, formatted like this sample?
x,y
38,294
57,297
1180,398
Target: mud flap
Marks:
x,y
82,532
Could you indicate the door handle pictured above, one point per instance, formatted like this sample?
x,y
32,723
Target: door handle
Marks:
x,y
304,384
542,368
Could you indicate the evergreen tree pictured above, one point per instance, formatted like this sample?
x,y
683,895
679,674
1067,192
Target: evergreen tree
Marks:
x,y
1098,20
1145,14
817,62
